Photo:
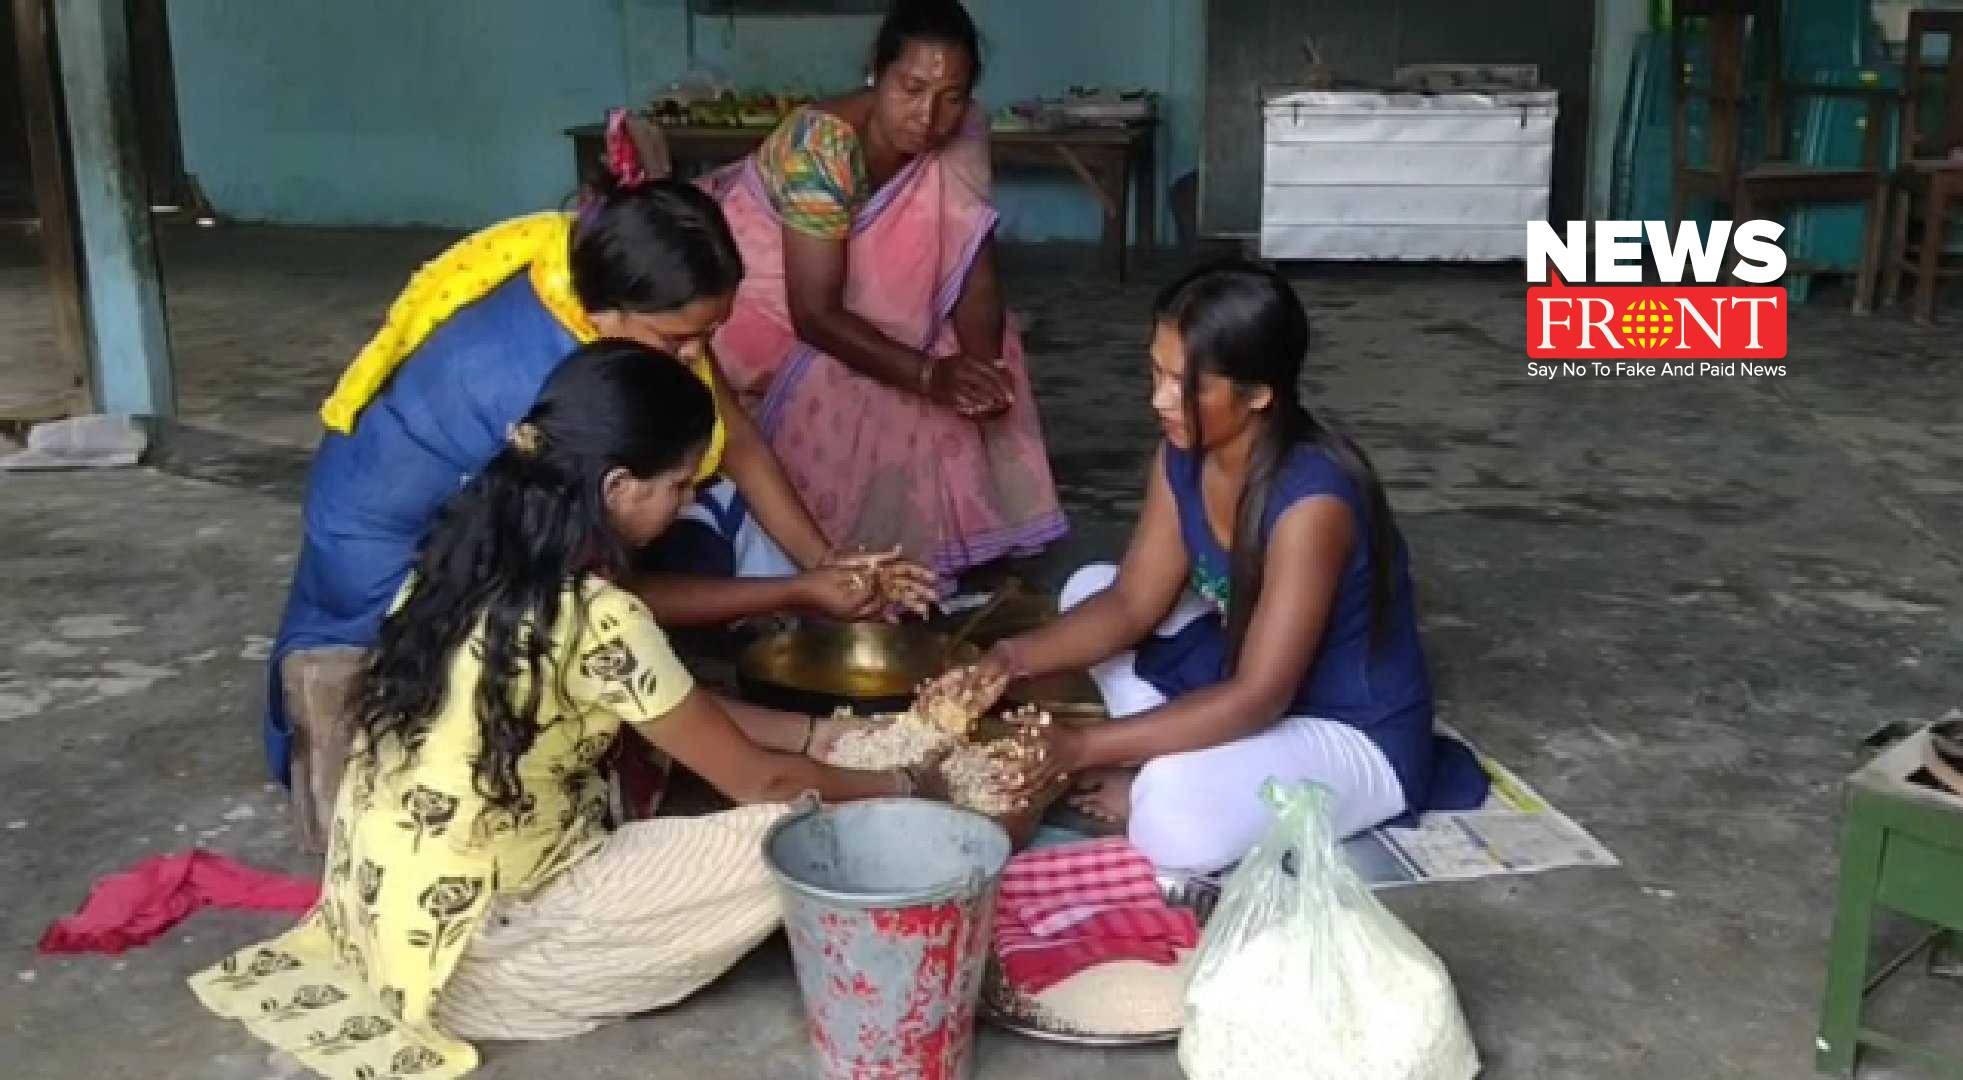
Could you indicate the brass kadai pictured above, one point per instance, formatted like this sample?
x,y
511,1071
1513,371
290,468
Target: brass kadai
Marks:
x,y
876,667
867,667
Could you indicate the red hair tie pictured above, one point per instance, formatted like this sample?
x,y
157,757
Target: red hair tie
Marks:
x,y
623,157
637,154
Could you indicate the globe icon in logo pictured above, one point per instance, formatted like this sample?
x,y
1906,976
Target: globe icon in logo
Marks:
x,y
1647,324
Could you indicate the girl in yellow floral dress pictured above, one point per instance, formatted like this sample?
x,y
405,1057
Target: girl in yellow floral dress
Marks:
x,y
473,888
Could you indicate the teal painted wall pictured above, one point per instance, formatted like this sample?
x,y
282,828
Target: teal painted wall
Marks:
x,y
449,112
387,112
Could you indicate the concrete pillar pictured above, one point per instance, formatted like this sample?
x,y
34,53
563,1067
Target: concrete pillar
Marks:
x,y
128,337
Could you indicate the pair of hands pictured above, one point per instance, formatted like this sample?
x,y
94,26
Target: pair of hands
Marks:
x,y
858,586
1043,757
976,387
969,692
1058,750
1046,753
1050,748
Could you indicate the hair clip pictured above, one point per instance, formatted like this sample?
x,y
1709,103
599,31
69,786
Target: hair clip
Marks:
x,y
526,438
637,152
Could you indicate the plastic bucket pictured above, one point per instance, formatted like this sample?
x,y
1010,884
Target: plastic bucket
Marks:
x,y
889,905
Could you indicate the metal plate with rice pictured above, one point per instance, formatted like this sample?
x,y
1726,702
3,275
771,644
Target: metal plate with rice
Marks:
x,y
1025,1015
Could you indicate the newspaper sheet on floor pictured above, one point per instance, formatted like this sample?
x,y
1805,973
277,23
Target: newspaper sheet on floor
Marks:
x,y
1515,832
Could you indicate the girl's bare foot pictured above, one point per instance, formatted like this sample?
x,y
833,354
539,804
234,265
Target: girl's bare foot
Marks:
x,y
1104,796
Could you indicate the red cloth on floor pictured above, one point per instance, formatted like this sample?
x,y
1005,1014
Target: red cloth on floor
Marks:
x,y
1098,902
137,905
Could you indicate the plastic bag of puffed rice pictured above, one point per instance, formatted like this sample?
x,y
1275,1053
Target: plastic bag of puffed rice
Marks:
x,y
1303,975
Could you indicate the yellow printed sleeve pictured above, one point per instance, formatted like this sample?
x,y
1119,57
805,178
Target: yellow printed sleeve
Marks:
x,y
623,663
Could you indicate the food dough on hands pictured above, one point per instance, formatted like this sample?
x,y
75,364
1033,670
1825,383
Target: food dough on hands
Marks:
x,y
888,741
987,777
956,701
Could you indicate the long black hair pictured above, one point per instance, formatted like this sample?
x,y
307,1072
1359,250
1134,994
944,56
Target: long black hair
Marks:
x,y
944,22
1244,322
509,543
651,247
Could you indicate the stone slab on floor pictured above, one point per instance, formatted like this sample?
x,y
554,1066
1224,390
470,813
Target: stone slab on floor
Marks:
x,y
1674,607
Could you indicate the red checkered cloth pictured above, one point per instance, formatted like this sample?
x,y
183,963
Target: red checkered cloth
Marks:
x,y
1067,908
1055,888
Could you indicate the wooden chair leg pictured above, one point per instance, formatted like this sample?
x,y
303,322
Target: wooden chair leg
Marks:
x,y
1891,267
1847,956
1933,220
1871,249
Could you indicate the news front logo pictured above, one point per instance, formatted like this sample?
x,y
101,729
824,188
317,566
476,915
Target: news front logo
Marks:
x,y
1637,299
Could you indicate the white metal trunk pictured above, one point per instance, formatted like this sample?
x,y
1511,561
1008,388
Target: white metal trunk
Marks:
x,y
1386,175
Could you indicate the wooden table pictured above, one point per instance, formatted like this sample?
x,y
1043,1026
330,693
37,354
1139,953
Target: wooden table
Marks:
x,y
1117,165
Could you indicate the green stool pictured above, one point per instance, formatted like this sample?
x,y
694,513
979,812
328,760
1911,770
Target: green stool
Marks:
x,y
1903,850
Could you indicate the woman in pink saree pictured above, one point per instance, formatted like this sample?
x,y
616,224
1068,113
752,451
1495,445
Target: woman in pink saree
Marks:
x,y
868,337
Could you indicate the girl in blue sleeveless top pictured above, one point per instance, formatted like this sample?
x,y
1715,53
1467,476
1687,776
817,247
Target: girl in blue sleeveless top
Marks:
x,y
1262,622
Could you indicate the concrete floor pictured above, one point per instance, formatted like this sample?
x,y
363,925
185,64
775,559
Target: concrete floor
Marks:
x,y
1675,607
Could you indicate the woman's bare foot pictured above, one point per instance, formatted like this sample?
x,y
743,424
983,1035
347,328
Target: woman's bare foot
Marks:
x,y
1104,795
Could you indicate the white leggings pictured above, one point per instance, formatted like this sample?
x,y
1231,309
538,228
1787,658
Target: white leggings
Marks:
x,y
1201,810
